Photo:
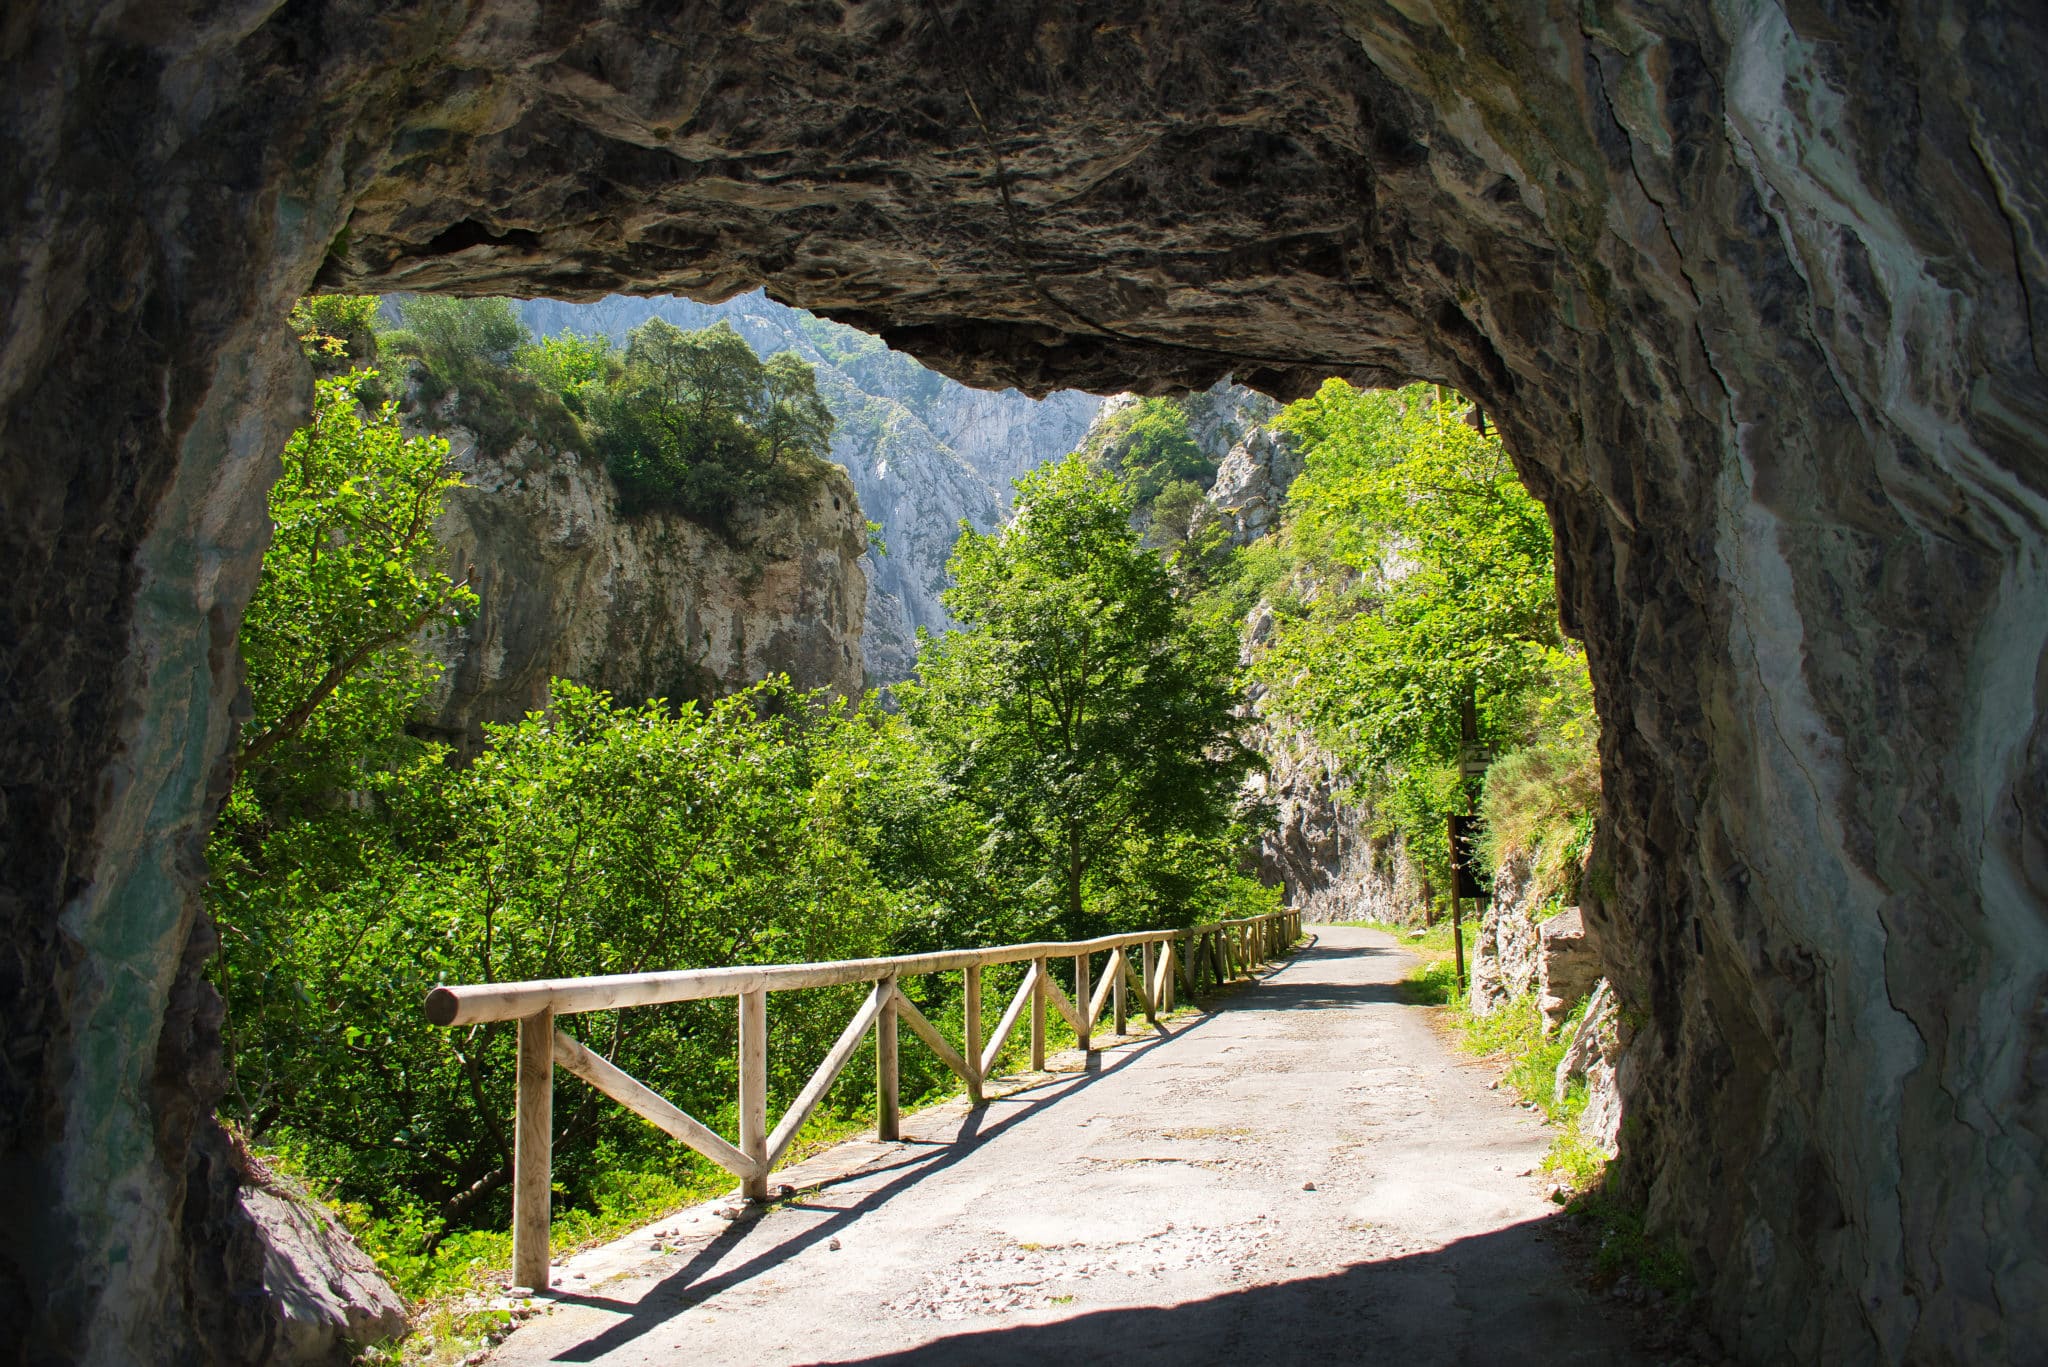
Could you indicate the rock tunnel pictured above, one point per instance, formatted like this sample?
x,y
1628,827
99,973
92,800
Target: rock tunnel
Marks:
x,y
1750,290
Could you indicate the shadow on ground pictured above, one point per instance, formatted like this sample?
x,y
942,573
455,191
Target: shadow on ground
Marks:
x,y
1473,1301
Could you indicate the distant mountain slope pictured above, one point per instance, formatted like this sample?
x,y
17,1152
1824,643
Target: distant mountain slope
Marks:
x,y
924,452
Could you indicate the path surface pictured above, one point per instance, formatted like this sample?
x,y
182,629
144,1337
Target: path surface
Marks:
x,y
1155,1209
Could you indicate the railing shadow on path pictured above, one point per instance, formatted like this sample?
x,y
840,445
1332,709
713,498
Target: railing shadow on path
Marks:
x,y
680,1290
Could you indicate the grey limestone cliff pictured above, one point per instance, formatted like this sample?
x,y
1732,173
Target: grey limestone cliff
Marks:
x,y
924,453
653,605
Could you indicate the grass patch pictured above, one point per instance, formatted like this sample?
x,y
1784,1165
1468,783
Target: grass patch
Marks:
x,y
1625,1248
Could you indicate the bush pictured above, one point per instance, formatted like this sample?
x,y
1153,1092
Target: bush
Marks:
x,y
696,422
338,332
468,348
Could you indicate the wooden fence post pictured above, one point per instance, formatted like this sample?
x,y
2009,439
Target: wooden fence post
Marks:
x,y
1148,974
754,1090
1119,1010
888,1119
1082,1000
1038,1016
532,1150
971,1027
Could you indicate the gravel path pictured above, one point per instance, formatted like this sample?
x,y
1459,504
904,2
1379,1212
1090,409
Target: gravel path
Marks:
x,y
1305,1174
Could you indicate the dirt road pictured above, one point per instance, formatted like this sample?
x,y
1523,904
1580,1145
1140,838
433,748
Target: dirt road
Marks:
x,y
1305,1175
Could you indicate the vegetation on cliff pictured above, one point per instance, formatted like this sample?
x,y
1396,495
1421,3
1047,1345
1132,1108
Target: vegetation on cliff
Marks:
x,y
689,421
1412,596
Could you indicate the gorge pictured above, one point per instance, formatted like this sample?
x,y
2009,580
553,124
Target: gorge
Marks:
x,y
1749,291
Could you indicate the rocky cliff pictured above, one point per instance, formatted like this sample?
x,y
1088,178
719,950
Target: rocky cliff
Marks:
x,y
654,605
1751,289
925,453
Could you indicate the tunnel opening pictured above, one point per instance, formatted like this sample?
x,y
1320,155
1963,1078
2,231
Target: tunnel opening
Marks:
x,y
1786,413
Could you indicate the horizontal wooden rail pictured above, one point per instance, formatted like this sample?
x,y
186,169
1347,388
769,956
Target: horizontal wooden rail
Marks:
x,y
1224,948
573,996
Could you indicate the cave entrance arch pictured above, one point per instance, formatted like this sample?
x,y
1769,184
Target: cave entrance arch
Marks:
x,y
1750,292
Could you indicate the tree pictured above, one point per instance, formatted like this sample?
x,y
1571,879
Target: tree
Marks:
x,y
353,573
1080,708
698,422
797,422
1431,568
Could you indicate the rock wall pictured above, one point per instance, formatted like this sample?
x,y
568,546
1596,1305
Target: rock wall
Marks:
x,y
1507,950
1320,849
1251,484
1750,289
925,452
649,606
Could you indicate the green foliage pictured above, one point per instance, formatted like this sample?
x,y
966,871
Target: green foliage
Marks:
x,y
698,423
353,573
589,839
1148,444
468,348
573,367
354,868
1083,710
1540,799
1450,586
336,331
1186,526
1414,572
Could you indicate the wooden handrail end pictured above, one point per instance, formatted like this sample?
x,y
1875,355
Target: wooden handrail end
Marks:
x,y
441,1006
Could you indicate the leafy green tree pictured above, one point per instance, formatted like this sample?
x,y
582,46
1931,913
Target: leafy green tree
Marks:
x,y
797,422
1080,707
572,366
1430,571
1441,576
1150,445
1186,526
698,422
337,331
353,573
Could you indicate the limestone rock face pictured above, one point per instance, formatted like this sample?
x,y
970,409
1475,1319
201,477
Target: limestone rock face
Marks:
x,y
925,452
1321,850
1507,953
1566,966
1595,1054
327,1298
1750,289
654,605
1252,483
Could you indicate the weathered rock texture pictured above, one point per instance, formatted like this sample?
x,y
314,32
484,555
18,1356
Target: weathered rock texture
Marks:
x,y
1507,948
1596,1055
925,452
1566,966
1320,849
1751,289
1252,483
651,606
326,1298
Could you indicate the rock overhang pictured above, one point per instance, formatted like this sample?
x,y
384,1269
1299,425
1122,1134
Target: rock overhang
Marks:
x,y
1787,412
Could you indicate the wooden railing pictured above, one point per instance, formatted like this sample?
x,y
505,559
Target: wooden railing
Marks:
x,y
1220,951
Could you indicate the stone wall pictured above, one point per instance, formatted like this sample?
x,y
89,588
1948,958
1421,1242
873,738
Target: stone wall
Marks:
x,y
1750,289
